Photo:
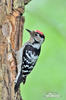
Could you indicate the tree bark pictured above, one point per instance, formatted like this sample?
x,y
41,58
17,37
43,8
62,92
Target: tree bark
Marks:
x,y
11,33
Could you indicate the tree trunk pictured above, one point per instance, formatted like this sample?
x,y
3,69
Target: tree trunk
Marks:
x,y
11,32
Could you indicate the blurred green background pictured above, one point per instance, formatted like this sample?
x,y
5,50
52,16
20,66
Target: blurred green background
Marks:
x,y
49,74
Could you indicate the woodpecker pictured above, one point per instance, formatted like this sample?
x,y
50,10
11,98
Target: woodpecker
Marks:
x,y
27,56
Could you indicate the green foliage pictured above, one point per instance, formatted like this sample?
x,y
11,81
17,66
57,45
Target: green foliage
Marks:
x,y
49,74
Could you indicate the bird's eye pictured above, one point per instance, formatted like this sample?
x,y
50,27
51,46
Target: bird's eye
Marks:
x,y
35,34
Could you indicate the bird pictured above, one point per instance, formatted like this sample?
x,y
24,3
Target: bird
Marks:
x,y
27,56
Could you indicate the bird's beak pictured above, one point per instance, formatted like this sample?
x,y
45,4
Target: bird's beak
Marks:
x,y
31,32
28,30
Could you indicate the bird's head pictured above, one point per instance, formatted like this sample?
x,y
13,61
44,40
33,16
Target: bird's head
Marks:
x,y
37,36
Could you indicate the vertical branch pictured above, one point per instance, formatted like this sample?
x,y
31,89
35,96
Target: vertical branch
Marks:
x,y
11,33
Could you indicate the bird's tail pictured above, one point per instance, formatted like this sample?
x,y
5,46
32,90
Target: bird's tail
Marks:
x,y
17,84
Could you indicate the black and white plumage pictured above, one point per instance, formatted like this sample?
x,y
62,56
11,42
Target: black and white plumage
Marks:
x,y
27,56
